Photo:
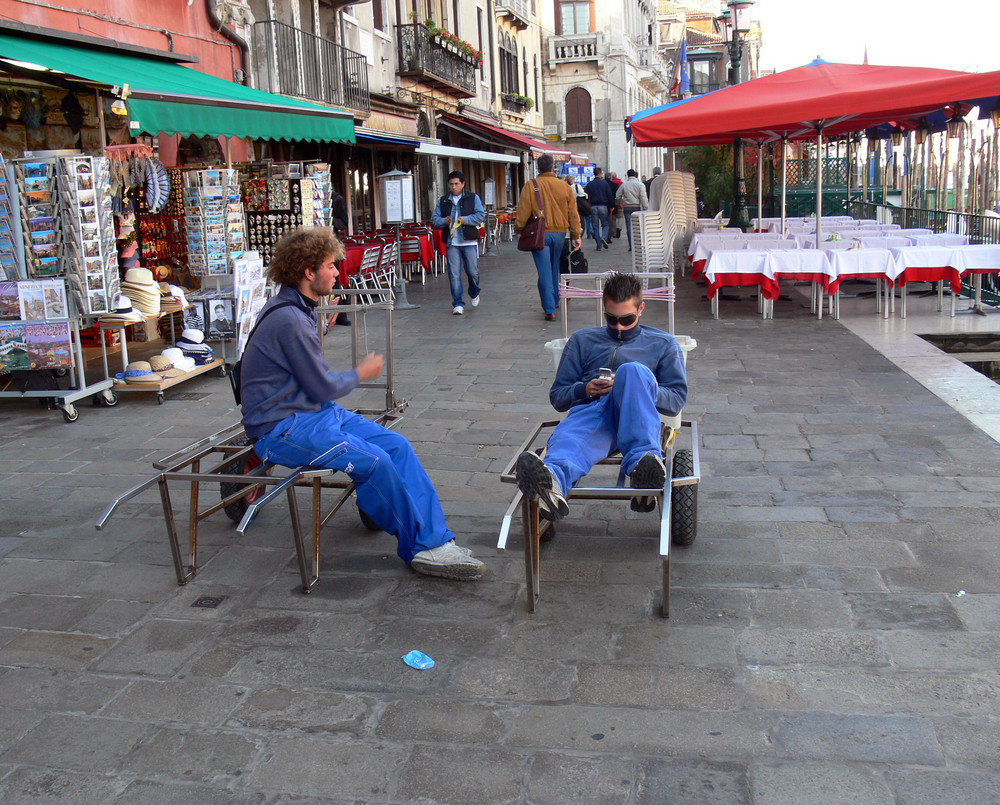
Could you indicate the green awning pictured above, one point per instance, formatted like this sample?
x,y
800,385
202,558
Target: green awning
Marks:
x,y
174,99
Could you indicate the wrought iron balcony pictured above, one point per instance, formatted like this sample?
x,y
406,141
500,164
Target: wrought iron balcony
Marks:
x,y
290,61
514,103
517,12
578,47
434,61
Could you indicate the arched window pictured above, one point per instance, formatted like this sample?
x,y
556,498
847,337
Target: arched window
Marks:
x,y
578,113
504,72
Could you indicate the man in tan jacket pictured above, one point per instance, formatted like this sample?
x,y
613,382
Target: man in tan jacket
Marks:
x,y
560,215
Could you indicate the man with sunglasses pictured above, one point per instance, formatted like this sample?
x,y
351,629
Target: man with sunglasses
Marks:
x,y
608,415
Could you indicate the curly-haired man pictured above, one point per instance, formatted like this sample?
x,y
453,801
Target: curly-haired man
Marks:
x,y
289,414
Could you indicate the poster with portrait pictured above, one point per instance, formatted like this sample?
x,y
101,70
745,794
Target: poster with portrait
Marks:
x,y
194,316
222,321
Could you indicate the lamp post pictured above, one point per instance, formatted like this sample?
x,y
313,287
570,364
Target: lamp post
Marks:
x,y
734,25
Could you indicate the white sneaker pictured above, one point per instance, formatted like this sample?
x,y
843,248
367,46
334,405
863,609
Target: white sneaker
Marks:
x,y
475,302
448,561
458,310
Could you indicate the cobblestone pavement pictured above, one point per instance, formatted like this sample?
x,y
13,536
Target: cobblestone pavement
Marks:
x,y
833,633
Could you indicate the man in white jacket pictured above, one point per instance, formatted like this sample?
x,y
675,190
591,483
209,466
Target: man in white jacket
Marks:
x,y
632,196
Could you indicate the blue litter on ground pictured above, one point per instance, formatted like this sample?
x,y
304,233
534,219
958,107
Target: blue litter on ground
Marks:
x,y
417,659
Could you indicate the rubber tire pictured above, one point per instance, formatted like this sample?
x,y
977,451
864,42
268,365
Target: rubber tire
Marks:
x,y
235,510
683,501
369,523
71,413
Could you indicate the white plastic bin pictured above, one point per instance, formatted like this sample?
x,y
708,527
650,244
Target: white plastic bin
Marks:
x,y
686,342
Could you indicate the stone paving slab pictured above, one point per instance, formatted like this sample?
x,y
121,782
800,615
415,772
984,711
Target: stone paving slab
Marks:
x,y
833,632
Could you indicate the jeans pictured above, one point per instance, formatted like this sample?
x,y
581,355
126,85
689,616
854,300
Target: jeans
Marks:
x,y
625,420
457,256
628,222
547,263
392,486
601,224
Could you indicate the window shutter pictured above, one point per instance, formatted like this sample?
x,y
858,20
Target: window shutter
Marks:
x,y
578,120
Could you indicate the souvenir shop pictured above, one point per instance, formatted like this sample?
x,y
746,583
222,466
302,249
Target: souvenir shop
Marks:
x,y
136,216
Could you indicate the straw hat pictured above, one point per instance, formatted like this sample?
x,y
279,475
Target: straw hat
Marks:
x,y
178,359
140,372
140,276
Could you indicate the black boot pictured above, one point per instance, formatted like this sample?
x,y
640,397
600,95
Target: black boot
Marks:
x,y
343,320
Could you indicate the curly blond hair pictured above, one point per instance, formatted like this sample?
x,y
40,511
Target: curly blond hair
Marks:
x,y
300,249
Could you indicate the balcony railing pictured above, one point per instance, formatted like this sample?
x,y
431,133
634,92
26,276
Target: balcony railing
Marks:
x,y
577,47
517,11
434,61
513,103
290,61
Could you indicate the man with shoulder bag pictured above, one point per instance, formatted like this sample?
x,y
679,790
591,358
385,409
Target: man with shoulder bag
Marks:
x,y
551,200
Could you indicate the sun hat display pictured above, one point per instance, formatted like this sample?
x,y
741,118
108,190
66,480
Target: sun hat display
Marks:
x,y
142,290
191,336
122,311
139,372
192,343
178,359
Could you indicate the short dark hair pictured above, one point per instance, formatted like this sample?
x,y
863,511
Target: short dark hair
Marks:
x,y
220,305
598,171
622,288
545,163
300,249
457,175
631,172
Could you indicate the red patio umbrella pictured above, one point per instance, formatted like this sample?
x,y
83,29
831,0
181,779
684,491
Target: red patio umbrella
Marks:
x,y
815,100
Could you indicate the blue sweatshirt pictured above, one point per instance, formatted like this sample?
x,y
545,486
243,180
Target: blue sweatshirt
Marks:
x,y
283,370
590,349
600,192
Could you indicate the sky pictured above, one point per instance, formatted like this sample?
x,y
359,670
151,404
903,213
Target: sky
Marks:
x,y
953,35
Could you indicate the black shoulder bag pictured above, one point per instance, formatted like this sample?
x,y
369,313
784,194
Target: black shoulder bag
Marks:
x,y
237,370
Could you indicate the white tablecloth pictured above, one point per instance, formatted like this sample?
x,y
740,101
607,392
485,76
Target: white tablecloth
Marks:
x,y
981,258
861,263
940,239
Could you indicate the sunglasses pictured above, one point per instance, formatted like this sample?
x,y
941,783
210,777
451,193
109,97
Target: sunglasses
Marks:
x,y
625,321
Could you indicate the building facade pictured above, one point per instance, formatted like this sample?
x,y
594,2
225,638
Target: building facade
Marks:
x,y
602,63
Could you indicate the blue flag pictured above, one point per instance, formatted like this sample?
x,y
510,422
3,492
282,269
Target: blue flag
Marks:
x,y
683,62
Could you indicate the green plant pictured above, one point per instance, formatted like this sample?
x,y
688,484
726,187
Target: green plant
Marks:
x,y
521,100
433,31
712,166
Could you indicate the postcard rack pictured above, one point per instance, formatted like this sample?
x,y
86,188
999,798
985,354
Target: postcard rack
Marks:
x,y
80,388
63,270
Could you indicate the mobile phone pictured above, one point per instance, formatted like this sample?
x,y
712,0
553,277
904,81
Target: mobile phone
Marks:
x,y
605,374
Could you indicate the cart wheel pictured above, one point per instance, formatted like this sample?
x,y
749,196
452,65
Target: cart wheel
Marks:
x,y
683,501
70,412
159,398
222,370
109,398
369,523
60,371
236,509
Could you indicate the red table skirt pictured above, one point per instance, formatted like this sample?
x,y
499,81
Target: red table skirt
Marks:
x,y
768,287
931,274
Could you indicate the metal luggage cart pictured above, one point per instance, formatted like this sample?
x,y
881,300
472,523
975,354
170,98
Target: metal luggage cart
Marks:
x,y
677,501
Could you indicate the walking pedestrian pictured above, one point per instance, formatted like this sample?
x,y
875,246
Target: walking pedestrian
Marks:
x,y
459,215
602,202
632,198
560,216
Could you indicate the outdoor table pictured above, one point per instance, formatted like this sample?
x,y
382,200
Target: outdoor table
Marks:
x,y
706,248
800,265
913,231
738,268
978,259
352,258
713,237
426,254
928,264
870,263
883,241
939,239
